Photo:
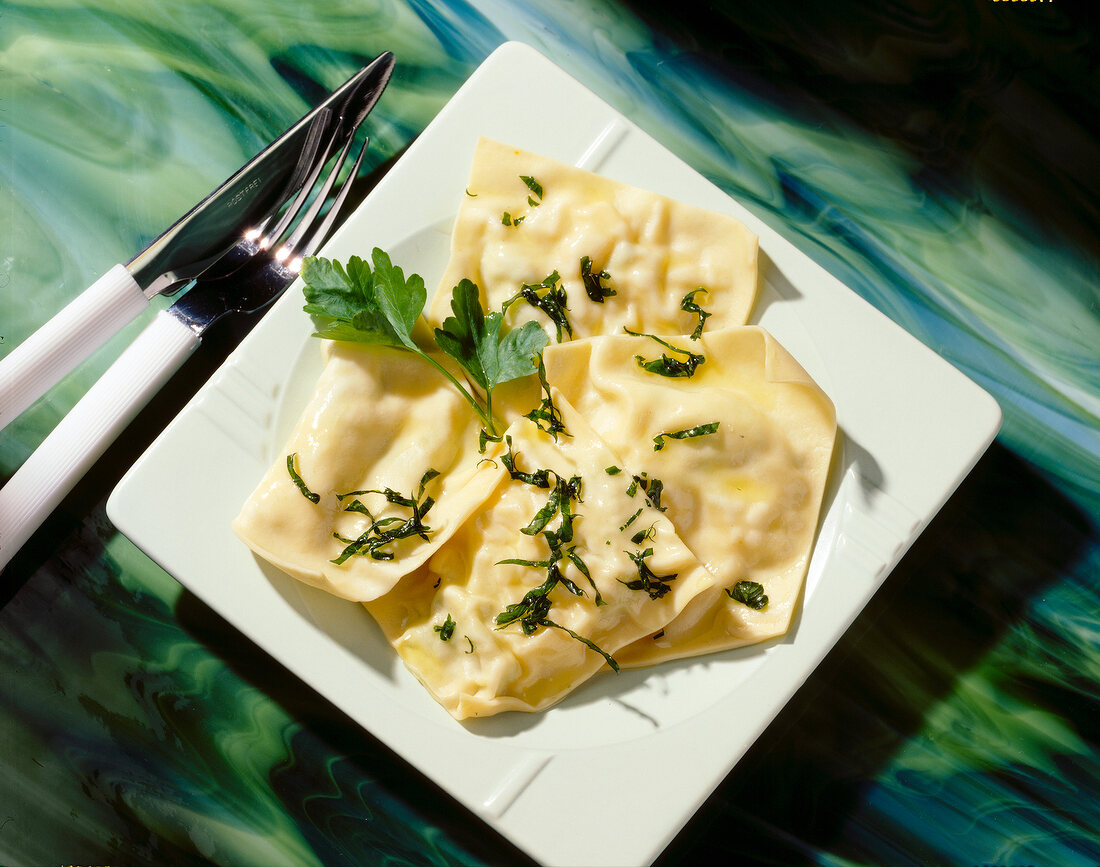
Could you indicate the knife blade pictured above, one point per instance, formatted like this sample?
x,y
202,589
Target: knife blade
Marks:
x,y
192,246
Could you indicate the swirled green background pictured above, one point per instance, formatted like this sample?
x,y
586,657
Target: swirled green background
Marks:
x,y
940,158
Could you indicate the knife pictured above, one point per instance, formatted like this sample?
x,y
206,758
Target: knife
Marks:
x,y
202,241
80,438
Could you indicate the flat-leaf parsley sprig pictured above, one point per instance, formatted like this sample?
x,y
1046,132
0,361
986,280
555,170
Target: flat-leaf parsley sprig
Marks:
x,y
473,340
378,305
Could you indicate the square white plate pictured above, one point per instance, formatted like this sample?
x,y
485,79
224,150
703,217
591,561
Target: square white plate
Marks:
x,y
911,428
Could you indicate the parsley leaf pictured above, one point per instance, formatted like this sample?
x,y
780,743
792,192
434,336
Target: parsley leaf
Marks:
x,y
473,340
357,304
381,306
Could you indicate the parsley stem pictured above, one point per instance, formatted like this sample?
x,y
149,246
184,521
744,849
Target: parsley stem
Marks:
x,y
489,412
485,415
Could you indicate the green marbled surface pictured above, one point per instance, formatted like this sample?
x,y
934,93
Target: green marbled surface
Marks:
x,y
939,158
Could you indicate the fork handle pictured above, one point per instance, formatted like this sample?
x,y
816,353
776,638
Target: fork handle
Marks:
x,y
66,340
46,477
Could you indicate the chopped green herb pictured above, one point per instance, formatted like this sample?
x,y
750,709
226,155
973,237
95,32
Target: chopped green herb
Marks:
x,y
613,471
470,640
549,297
547,513
591,645
297,479
647,534
535,187
593,283
688,305
631,519
582,567
539,478
484,438
690,433
748,592
533,200
384,531
655,585
652,488
547,416
392,496
445,629
553,579
532,611
560,500
666,365
471,195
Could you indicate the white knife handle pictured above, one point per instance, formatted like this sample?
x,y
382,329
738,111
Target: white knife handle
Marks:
x,y
47,476
60,345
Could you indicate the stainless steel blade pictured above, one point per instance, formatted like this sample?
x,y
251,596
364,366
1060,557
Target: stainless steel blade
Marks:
x,y
206,232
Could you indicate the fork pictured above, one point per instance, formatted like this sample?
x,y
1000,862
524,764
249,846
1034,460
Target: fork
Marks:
x,y
81,437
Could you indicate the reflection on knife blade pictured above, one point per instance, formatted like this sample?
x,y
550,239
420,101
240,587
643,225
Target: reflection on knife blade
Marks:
x,y
253,193
212,239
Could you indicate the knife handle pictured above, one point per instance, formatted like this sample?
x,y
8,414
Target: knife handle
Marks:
x,y
66,340
46,477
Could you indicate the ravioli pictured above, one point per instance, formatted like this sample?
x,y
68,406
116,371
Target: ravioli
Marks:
x,y
510,231
745,497
651,528
379,419
486,667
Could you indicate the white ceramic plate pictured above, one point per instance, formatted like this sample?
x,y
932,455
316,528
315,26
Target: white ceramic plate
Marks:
x,y
911,428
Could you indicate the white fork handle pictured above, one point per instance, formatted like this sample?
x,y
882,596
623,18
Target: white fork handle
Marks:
x,y
47,476
60,345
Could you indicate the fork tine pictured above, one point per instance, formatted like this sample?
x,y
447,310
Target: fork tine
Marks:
x,y
295,237
257,237
317,235
300,199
